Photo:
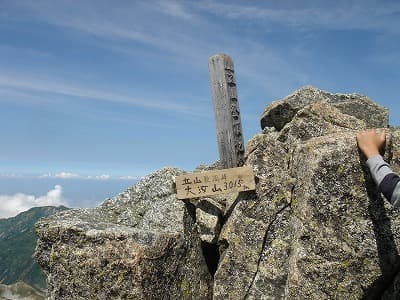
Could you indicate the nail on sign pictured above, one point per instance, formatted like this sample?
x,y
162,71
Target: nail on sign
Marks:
x,y
210,183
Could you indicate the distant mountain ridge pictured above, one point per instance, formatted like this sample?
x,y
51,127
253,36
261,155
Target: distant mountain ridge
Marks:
x,y
17,245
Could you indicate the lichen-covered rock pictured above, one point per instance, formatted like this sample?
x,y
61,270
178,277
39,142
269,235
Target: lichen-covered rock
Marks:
x,y
247,232
142,244
318,119
281,112
393,151
341,246
317,228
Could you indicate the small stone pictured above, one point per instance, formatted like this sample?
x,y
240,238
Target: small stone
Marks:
x,y
209,226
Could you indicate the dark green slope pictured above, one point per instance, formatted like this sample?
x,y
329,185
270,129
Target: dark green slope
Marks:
x,y
17,245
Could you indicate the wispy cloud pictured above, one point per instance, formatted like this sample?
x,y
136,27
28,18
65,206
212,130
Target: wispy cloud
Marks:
x,y
132,23
21,83
25,51
189,40
356,14
12,205
174,9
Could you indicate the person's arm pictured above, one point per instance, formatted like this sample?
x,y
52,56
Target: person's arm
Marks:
x,y
370,143
385,179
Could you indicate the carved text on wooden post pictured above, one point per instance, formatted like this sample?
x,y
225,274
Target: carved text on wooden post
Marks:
x,y
227,112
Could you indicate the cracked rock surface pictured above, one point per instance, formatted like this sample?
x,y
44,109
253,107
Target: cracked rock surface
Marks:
x,y
316,227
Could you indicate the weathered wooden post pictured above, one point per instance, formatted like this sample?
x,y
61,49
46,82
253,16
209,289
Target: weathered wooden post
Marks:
x,y
226,108
230,140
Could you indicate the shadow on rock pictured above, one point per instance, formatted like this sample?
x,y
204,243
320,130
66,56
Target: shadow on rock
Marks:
x,y
389,259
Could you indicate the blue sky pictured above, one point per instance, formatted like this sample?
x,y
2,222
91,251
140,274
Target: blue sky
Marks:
x,y
121,88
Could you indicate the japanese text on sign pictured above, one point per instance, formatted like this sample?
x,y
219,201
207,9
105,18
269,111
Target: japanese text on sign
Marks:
x,y
215,182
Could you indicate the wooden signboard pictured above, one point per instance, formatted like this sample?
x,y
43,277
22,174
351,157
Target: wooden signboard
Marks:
x,y
210,183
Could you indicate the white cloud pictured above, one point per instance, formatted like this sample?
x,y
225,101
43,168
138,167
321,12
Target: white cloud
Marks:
x,y
63,175
46,175
11,205
98,177
129,177
66,175
70,175
10,175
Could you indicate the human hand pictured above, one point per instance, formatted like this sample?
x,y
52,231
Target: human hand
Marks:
x,y
371,141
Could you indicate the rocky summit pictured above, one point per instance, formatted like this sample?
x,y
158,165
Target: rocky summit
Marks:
x,y
315,228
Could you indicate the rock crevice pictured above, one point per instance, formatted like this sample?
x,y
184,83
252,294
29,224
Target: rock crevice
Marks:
x,y
263,247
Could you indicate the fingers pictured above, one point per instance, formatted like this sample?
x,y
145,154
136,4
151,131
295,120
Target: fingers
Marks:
x,y
371,141
373,132
381,133
369,134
